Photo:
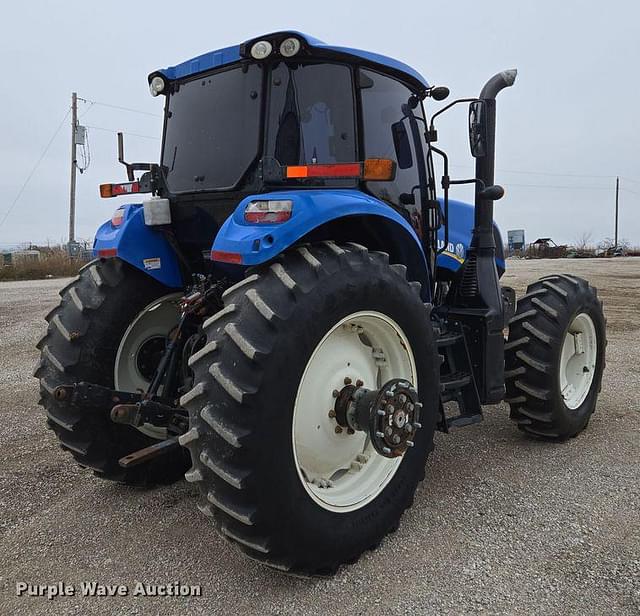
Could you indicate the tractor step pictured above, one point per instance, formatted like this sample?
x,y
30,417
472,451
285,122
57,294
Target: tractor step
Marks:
x,y
455,381
463,420
457,384
449,339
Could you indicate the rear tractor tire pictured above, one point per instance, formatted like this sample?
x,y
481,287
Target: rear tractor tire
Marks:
x,y
555,357
281,479
99,309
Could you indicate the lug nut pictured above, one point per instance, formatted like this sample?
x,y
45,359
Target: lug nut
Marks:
x,y
381,412
347,380
332,413
386,450
417,425
410,443
380,434
338,429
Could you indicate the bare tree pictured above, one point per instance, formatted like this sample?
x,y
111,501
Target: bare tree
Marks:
x,y
583,241
608,245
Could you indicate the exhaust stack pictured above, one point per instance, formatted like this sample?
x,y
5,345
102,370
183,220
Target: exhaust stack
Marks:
x,y
479,300
483,228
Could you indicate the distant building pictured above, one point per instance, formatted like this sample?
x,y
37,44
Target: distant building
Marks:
x,y
20,256
515,240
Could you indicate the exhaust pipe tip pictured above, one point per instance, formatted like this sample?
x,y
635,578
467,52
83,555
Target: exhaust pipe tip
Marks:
x,y
509,76
498,82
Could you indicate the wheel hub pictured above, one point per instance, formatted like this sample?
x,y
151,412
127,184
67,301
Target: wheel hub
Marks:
x,y
389,415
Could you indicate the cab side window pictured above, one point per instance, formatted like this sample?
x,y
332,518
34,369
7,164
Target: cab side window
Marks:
x,y
386,132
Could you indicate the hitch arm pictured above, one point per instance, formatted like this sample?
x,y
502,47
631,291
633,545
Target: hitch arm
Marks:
x,y
97,397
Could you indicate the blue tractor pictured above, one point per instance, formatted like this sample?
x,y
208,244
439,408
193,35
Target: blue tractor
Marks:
x,y
292,311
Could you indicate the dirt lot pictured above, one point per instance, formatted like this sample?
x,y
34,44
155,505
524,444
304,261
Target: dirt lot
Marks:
x,y
503,524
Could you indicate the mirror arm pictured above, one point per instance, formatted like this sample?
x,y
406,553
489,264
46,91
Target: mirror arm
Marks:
x,y
446,107
131,167
476,181
446,181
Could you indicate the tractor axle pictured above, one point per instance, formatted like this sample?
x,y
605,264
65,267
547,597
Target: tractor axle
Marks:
x,y
389,415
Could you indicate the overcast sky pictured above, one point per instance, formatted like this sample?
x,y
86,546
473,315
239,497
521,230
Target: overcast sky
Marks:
x,y
566,129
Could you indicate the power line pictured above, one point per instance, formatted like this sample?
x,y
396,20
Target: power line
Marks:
x,y
558,186
110,130
549,173
633,192
147,113
35,167
86,111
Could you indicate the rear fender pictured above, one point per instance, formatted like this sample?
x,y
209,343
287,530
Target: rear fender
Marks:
x,y
139,245
340,215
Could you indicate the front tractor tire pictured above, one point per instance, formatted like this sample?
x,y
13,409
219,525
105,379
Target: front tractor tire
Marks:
x,y
555,357
97,311
280,478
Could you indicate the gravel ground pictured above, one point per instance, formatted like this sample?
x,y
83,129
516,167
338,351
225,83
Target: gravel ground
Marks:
x,y
503,524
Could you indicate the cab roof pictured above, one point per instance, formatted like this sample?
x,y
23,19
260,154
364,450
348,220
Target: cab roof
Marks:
x,y
312,47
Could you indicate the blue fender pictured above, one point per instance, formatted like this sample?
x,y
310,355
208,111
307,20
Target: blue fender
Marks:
x,y
139,245
253,243
461,218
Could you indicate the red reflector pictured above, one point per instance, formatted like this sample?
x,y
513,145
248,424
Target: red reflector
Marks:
x,y
226,257
341,170
115,190
108,252
267,217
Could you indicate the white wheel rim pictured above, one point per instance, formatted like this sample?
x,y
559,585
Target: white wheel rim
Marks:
x,y
578,360
155,321
342,472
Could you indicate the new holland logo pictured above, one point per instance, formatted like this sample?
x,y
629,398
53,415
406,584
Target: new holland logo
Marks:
x,y
456,251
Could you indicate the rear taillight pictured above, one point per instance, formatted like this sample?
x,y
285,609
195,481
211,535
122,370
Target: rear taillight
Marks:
x,y
118,217
266,212
115,190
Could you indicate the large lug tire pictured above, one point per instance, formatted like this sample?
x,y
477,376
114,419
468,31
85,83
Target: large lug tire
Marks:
x,y
555,357
244,407
81,344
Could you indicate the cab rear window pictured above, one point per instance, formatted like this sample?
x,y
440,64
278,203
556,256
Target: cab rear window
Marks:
x,y
311,115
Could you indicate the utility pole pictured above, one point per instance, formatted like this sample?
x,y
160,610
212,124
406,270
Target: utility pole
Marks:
x,y
72,191
617,195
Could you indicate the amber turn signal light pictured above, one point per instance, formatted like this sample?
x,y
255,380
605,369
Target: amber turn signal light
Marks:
x,y
379,169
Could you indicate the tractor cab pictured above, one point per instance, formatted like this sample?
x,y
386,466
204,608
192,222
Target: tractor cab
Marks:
x,y
287,112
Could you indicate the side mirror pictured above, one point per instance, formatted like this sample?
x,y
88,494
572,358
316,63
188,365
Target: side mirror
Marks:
x,y
439,93
492,193
402,145
477,129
